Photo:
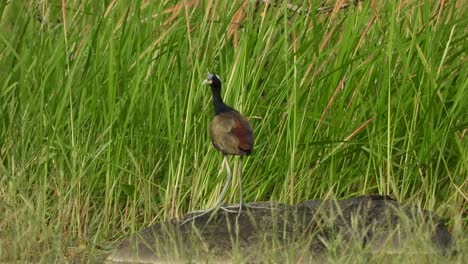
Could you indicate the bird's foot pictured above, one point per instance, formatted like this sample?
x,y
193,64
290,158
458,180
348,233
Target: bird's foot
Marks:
x,y
242,206
200,213
197,214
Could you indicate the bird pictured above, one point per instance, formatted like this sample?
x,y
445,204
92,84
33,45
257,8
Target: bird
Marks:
x,y
231,134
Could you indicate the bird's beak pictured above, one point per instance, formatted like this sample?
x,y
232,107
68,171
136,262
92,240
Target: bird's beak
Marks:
x,y
207,81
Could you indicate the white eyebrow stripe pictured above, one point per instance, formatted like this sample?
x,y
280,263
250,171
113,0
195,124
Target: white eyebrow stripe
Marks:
x,y
211,75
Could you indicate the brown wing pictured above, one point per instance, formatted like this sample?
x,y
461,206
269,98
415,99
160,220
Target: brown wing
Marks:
x,y
244,133
232,134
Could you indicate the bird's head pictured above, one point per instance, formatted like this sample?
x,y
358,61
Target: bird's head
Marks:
x,y
213,80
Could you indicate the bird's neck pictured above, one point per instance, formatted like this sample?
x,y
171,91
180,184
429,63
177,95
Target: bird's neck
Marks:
x,y
218,104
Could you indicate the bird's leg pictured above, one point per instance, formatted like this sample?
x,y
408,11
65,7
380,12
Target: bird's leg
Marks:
x,y
226,185
225,188
220,198
241,202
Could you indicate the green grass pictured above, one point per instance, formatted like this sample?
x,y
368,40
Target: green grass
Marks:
x,y
104,120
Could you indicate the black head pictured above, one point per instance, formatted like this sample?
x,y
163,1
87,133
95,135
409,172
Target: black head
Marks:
x,y
213,80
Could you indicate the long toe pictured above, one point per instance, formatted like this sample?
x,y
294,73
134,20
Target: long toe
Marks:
x,y
198,214
258,207
226,209
244,206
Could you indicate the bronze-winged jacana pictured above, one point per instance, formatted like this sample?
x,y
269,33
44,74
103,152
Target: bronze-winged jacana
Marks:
x,y
231,134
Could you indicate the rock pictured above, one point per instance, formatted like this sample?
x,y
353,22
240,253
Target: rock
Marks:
x,y
307,231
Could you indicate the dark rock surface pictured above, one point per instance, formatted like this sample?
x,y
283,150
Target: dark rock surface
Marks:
x,y
310,230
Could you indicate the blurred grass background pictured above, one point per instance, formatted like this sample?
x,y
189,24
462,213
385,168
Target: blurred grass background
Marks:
x,y
104,120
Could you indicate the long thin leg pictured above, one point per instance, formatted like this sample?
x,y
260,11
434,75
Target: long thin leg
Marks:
x,y
241,202
225,188
220,197
226,185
